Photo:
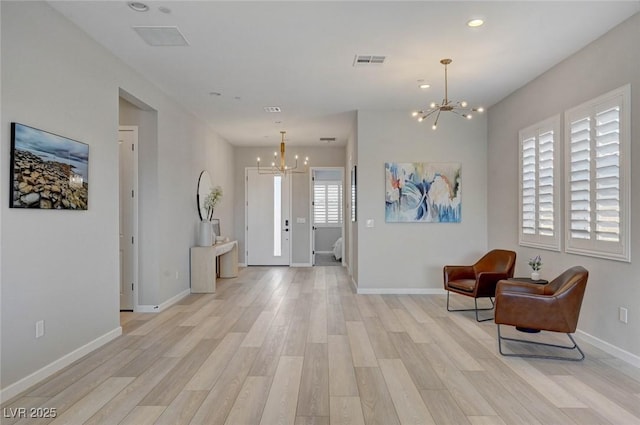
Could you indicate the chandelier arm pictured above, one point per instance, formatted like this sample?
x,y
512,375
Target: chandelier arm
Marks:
x,y
431,112
435,123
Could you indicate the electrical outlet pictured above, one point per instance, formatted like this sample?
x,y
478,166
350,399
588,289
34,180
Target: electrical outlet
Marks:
x,y
622,314
39,328
370,222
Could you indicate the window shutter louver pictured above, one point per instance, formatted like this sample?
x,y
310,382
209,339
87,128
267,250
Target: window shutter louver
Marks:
x,y
546,206
319,204
529,186
608,175
580,179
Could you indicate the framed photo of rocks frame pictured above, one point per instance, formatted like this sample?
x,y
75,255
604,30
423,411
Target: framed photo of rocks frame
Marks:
x,y
48,171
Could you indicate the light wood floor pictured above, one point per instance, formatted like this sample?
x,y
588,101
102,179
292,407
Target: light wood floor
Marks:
x,y
297,346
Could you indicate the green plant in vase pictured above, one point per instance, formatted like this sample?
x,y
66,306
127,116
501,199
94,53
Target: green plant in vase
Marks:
x,y
212,200
536,264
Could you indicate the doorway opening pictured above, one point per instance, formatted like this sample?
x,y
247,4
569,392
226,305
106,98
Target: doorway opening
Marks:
x,y
327,216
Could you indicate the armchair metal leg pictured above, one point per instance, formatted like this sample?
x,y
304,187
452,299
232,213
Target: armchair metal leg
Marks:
x,y
540,356
476,309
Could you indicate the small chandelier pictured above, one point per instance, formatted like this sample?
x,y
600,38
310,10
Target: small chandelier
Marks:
x,y
459,108
280,166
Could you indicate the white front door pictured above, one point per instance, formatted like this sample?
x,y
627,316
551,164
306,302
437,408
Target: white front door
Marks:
x,y
268,219
127,145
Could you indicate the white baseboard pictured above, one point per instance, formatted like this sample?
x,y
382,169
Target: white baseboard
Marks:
x,y
142,308
402,291
43,373
618,352
354,284
301,265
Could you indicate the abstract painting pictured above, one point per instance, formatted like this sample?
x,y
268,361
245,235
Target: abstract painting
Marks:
x,y
47,171
422,192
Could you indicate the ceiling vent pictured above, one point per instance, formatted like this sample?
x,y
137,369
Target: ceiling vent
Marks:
x,y
272,109
327,139
161,36
367,60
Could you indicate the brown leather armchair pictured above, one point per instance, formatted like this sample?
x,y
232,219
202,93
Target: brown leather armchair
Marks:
x,y
552,307
480,279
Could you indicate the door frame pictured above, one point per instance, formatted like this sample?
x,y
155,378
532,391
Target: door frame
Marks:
x,y
135,213
311,217
246,216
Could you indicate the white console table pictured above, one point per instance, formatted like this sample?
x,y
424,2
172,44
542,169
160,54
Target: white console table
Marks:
x,y
204,269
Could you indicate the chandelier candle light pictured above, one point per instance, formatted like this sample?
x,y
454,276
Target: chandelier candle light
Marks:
x,y
459,108
280,167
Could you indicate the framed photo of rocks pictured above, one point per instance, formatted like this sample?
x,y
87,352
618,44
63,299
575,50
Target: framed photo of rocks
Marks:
x,y
47,171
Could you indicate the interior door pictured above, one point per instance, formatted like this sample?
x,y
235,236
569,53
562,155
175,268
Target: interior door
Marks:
x,y
127,141
268,219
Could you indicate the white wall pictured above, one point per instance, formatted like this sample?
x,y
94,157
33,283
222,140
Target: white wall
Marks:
x,y
606,64
300,238
410,256
62,266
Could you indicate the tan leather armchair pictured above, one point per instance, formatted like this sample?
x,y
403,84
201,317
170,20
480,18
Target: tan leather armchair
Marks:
x,y
480,279
552,307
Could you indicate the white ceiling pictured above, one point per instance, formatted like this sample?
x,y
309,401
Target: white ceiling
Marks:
x,y
299,55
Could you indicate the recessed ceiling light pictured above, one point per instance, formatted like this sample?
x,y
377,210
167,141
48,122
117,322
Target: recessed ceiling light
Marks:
x,y
138,6
474,23
424,86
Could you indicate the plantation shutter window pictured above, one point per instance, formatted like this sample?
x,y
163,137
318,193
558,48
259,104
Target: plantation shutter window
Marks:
x,y
597,155
327,203
539,185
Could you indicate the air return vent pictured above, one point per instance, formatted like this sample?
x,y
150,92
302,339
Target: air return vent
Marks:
x,y
368,60
161,36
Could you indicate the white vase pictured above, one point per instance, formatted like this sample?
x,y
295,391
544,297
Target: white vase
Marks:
x,y
205,233
535,275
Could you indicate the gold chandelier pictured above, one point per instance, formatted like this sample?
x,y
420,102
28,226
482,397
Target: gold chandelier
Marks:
x,y
459,108
280,166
